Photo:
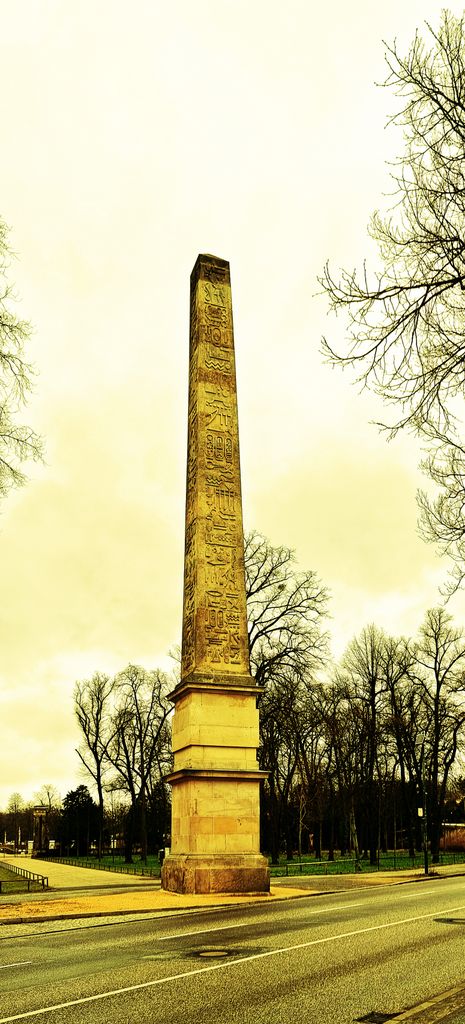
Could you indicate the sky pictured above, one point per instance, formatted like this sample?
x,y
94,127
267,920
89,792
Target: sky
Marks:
x,y
133,138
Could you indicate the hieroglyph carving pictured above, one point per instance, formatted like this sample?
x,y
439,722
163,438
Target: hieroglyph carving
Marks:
x,y
215,622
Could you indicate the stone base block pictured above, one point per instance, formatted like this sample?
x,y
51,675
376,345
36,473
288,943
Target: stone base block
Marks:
x,y
190,873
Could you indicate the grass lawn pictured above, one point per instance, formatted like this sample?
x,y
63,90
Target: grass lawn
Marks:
x,y
306,866
10,882
391,861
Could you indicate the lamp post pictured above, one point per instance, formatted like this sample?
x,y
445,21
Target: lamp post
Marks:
x,y
422,811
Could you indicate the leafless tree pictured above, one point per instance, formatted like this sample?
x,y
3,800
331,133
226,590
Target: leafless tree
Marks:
x,y
139,718
286,610
315,765
442,518
440,657
406,337
344,735
92,705
278,755
48,796
14,807
363,664
18,443
396,709
404,722
370,711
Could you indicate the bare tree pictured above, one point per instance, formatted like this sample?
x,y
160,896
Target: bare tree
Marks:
x,y
396,706
315,766
138,731
92,705
285,609
441,518
18,443
14,807
344,734
440,656
363,663
404,722
372,712
406,340
48,796
278,755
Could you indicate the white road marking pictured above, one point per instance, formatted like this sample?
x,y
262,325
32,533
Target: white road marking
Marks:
x,y
413,895
202,931
226,964
311,913
247,924
20,963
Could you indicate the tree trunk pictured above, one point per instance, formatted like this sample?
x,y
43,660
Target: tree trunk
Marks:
x,y
331,824
143,828
274,826
317,840
434,830
354,837
100,819
129,835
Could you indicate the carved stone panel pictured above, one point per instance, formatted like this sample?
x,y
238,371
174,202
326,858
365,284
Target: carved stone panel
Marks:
x,y
214,611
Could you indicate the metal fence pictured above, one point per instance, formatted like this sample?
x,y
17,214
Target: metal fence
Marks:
x,y
350,865
29,876
121,869
346,865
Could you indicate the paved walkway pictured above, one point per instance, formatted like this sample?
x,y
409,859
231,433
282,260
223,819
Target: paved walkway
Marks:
x,y
67,876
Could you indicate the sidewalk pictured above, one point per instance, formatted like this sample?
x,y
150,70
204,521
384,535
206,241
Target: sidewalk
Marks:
x,y
67,876
141,896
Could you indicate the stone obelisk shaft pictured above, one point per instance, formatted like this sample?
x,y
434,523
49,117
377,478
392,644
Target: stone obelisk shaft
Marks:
x,y
215,844
215,639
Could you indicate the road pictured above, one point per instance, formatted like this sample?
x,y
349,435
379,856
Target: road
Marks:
x,y
331,958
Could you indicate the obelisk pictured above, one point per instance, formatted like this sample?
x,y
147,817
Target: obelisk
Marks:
x,y
215,836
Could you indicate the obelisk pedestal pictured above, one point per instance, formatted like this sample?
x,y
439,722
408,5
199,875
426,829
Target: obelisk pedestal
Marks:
x,y
215,836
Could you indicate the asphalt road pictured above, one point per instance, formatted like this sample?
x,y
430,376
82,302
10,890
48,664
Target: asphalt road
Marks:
x,y
331,959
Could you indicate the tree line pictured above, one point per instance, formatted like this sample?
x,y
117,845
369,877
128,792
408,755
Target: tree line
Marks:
x,y
352,758
352,750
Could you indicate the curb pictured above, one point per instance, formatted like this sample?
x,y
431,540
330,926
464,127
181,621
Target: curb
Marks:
x,y
159,911
175,911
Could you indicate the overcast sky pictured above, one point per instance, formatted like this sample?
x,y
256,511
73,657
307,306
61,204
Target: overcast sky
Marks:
x,y
133,138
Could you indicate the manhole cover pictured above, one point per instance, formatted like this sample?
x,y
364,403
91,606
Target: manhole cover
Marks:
x,y
213,953
204,952
219,952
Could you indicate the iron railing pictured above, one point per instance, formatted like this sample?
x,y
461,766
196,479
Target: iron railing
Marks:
x,y
29,876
